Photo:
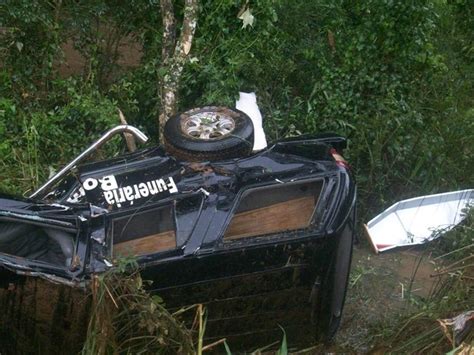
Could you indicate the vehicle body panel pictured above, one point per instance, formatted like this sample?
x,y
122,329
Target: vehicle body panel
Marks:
x,y
201,263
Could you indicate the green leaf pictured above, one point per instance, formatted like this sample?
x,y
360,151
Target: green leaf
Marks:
x,y
19,46
284,346
139,282
157,299
227,348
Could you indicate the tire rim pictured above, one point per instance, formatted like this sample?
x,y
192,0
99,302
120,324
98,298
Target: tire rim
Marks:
x,y
208,125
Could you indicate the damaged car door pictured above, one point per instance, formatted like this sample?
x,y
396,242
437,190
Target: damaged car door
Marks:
x,y
46,240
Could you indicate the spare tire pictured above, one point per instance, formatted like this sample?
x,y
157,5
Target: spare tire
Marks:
x,y
209,133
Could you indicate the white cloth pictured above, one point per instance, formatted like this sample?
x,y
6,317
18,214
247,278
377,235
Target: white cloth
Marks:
x,y
247,103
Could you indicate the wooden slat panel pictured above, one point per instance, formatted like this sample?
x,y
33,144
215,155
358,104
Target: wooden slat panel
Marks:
x,y
147,245
288,215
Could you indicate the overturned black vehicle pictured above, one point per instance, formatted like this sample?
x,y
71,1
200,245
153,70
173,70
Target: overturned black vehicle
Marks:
x,y
262,239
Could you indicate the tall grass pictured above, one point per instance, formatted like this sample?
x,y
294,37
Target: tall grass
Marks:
x,y
420,331
125,319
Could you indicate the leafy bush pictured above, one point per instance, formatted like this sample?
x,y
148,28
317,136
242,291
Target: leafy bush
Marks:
x,y
371,70
395,77
38,141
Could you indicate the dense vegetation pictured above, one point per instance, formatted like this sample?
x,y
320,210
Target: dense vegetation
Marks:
x,y
395,77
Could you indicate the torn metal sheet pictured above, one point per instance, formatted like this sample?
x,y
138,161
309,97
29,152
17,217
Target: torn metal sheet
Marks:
x,y
418,220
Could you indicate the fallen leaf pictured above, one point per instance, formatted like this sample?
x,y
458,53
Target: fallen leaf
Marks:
x,y
247,18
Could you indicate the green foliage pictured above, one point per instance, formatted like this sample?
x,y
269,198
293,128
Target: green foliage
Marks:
x,y
283,350
419,331
125,319
36,141
83,116
30,42
458,244
395,77
374,71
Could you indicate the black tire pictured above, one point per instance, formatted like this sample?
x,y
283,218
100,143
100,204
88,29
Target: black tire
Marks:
x,y
210,140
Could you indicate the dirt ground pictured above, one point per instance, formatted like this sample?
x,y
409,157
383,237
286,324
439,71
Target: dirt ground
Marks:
x,y
380,286
379,289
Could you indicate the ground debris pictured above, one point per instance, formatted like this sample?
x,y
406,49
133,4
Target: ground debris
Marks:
x,y
458,328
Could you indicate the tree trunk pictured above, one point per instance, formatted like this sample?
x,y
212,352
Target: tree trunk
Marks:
x,y
174,54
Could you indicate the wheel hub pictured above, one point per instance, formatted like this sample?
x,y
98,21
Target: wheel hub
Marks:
x,y
208,125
